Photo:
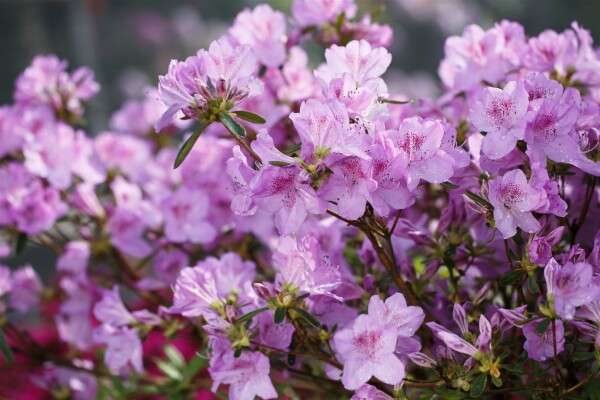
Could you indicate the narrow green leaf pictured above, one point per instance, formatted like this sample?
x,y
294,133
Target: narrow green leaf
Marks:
x,y
532,285
450,185
293,148
510,278
478,385
308,317
195,365
542,326
20,243
497,381
5,349
279,163
390,101
169,370
250,117
478,199
174,356
250,315
584,356
232,125
279,315
187,146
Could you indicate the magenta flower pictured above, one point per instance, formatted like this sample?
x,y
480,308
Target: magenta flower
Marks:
x,y
421,140
513,199
367,349
501,114
263,29
246,375
303,264
395,311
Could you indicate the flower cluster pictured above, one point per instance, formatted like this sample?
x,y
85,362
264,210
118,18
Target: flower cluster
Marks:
x,y
318,234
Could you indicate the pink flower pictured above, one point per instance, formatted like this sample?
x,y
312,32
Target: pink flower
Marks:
x,y
572,285
317,12
302,263
284,192
124,348
369,392
540,249
367,349
513,200
26,289
263,29
358,59
110,309
421,140
501,114
185,212
324,128
246,375
74,260
395,311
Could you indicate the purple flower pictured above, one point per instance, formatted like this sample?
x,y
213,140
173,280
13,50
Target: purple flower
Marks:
x,y
73,321
540,346
284,192
124,348
501,114
74,260
185,212
367,349
263,29
110,309
26,288
540,249
513,199
47,82
572,285
210,282
316,12
395,311
246,375
421,140
303,264
369,392
350,186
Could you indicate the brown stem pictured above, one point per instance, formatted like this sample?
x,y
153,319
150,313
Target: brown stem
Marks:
x,y
243,144
580,384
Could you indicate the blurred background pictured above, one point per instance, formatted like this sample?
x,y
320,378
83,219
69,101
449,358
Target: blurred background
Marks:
x,y
129,42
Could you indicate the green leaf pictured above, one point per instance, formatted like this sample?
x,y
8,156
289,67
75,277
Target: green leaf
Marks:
x,y
174,356
169,370
532,285
187,146
542,326
584,356
195,365
510,278
390,101
478,199
279,315
250,315
497,381
20,243
308,317
279,163
250,117
450,185
5,349
478,385
232,125
293,148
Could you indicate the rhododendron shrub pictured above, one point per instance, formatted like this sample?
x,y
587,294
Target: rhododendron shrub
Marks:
x,y
256,228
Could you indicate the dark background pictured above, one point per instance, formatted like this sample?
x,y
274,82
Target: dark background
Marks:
x,y
129,42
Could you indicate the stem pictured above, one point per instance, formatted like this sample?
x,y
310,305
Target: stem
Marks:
x,y
583,382
243,144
